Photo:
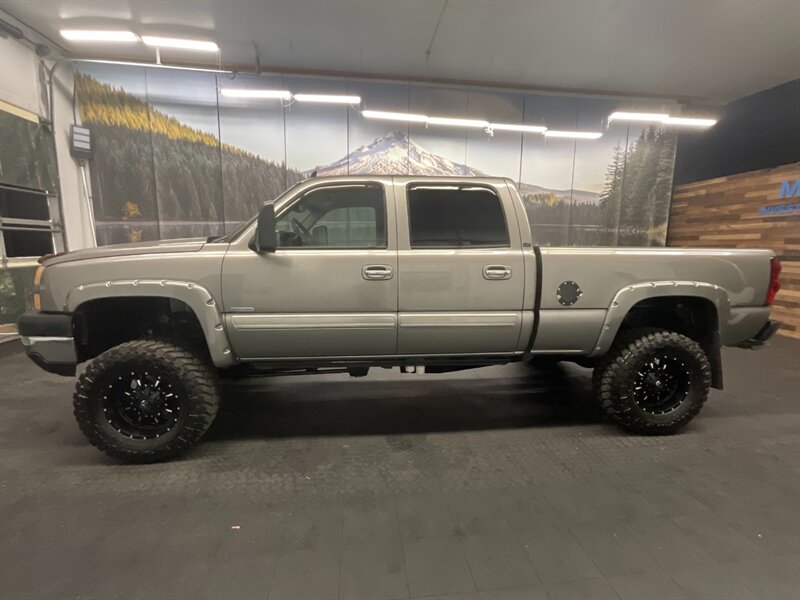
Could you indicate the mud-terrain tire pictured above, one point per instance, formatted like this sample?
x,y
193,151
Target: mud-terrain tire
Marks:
x,y
146,400
652,381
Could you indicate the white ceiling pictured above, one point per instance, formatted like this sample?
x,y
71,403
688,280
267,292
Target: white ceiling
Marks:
x,y
716,50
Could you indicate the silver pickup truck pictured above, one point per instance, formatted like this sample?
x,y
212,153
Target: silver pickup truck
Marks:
x,y
428,274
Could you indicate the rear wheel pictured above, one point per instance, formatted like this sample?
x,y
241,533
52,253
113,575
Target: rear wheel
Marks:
x,y
146,400
653,381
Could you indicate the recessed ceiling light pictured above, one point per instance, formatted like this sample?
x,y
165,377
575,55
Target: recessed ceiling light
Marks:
x,y
394,116
92,35
457,122
329,98
690,121
637,116
164,42
581,135
512,127
254,93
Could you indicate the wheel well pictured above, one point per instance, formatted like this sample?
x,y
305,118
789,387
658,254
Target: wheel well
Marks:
x,y
107,322
694,317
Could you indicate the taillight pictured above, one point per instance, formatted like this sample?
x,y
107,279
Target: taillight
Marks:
x,y
774,280
37,280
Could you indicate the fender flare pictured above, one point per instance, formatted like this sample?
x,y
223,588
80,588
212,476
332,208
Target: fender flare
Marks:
x,y
626,298
198,298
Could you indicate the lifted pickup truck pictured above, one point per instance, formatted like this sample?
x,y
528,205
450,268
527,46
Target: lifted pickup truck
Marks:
x,y
347,273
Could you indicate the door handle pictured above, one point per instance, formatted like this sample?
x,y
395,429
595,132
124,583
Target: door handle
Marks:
x,y
496,272
377,272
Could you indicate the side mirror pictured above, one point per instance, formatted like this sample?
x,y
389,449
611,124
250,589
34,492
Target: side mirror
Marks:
x,y
266,239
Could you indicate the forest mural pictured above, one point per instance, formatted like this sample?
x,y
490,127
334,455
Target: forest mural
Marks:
x,y
175,158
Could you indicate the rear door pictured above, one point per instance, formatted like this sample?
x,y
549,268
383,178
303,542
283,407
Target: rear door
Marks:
x,y
461,269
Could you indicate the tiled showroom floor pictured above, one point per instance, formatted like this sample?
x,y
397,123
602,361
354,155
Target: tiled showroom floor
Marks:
x,y
495,483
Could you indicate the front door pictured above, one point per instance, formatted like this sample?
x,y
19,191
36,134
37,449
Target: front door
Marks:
x,y
330,288
461,269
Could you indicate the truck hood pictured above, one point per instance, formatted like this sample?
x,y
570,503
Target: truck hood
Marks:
x,y
158,247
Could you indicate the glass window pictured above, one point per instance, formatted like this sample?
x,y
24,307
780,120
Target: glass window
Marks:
x,y
342,216
455,217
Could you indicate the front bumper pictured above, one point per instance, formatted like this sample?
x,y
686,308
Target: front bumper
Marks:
x,y
49,341
766,332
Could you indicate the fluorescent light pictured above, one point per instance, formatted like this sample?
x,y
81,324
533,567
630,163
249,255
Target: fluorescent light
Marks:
x,y
255,93
163,42
637,116
457,122
333,99
690,121
511,127
394,116
581,135
91,35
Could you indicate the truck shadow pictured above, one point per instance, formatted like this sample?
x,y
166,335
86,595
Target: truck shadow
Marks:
x,y
519,396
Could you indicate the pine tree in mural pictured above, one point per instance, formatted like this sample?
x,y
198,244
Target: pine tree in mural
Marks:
x,y
611,196
179,177
636,194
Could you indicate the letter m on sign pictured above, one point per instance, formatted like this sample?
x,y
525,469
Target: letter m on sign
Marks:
x,y
790,189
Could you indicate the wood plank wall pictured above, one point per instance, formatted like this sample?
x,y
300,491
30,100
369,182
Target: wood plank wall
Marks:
x,y
724,212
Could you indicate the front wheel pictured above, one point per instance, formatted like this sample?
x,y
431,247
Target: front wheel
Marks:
x,y
653,381
146,400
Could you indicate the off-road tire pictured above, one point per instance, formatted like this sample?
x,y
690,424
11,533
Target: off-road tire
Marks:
x,y
195,383
614,377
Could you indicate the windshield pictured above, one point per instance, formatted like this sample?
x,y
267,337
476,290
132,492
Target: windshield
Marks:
x,y
228,238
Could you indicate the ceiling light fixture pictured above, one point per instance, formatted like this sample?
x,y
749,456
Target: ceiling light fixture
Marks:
x,y
328,98
580,135
254,93
457,122
638,116
394,116
512,127
690,122
164,42
91,35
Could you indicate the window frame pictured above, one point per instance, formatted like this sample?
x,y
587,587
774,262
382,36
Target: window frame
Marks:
x,y
459,187
371,184
51,225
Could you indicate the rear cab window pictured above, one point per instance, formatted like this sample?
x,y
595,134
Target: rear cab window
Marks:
x,y
448,216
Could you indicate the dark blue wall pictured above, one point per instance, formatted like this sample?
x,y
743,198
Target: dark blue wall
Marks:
x,y
755,132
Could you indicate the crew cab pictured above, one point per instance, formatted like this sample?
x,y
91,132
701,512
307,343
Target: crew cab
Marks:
x,y
428,274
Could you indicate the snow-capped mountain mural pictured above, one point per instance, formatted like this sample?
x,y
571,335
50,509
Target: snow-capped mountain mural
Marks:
x,y
396,154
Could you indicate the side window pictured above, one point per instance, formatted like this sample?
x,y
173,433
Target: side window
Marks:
x,y
343,216
455,217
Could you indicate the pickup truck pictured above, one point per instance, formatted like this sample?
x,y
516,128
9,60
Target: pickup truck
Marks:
x,y
428,274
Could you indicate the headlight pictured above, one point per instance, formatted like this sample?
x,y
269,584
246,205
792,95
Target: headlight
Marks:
x,y
37,280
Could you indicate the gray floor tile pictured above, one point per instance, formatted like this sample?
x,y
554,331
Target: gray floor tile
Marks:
x,y
530,592
657,585
776,578
313,529
239,577
712,582
436,566
477,513
586,589
667,543
556,554
716,537
373,571
613,549
526,507
370,523
498,561
424,516
307,573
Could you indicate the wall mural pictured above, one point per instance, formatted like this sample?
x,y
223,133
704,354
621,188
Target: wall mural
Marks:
x,y
175,158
